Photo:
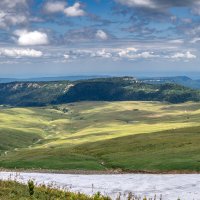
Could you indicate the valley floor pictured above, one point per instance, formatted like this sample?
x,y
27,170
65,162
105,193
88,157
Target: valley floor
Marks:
x,y
121,136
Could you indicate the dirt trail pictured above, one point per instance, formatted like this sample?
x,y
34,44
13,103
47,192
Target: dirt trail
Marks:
x,y
31,146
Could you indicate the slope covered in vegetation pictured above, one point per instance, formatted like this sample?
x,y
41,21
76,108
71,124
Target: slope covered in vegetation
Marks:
x,y
133,136
123,89
103,89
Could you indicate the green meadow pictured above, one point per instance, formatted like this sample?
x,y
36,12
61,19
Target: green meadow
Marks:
x,y
132,136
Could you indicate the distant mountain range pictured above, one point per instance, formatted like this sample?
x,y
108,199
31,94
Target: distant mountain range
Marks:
x,y
46,79
99,89
181,80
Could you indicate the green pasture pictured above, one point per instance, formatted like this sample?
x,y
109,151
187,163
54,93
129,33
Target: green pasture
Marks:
x,y
149,136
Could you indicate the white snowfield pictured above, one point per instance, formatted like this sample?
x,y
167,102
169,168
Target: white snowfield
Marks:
x,y
187,187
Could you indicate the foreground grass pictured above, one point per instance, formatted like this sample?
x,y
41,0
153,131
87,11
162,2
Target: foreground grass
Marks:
x,y
10,190
135,136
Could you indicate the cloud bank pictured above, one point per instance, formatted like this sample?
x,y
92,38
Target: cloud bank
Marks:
x,y
20,53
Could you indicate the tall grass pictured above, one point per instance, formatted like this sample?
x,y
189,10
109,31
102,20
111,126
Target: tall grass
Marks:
x,y
12,190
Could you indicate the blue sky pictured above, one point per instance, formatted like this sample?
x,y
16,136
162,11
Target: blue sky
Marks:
x,y
99,37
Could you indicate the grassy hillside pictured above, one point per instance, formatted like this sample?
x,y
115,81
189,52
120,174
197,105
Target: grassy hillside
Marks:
x,y
102,89
102,135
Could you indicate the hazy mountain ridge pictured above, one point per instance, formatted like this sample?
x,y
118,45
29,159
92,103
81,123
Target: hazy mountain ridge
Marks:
x,y
102,89
47,79
182,80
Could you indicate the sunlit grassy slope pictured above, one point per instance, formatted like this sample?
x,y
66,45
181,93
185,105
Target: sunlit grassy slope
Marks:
x,y
149,136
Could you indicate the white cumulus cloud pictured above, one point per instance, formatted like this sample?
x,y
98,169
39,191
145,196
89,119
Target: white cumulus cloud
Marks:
x,y
100,34
186,55
56,6
126,52
139,3
61,6
129,53
74,11
133,55
66,56
13,3
26,38
19,53
103,53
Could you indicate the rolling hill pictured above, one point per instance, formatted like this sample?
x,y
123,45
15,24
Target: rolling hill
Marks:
x,y
133,136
